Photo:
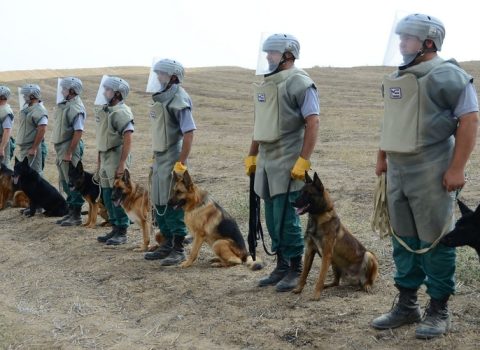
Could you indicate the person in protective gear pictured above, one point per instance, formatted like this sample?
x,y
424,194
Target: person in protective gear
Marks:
x,y
70,117
32,127
172,136
113,139
285,132
6,125
429,131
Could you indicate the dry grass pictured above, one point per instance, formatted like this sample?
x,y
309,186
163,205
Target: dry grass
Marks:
x,y
61,289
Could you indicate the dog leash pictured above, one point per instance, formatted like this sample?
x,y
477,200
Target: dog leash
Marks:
x,y
380,221
255,229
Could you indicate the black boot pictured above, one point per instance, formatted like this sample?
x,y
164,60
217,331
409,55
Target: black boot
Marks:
x,y
106,237
277,274
437,320
405,311
120,237
162,251
75,218
177,254
290,281
66,217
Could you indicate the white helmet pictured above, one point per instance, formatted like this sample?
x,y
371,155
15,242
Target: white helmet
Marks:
x,y
275,43
72,83
423,27
29,90
114,83
4,92
167,66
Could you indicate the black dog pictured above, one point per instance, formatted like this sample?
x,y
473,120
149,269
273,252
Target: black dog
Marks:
x,y
39,191
466,231
82,181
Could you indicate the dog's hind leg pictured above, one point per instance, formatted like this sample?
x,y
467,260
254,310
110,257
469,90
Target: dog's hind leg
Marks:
x,y
227,255
337,273
93,212
196,245
309,256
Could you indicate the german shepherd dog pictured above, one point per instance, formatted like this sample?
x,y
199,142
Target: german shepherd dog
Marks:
x,y
135,200
466,231
9,192
82,181
208,222
39,191
327,236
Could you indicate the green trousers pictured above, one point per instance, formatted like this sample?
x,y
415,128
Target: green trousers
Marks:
x,y
116,215
289,242
436,268
171,223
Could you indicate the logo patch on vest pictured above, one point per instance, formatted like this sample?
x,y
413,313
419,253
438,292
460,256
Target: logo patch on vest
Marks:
x,y
261,97
152,114
395,93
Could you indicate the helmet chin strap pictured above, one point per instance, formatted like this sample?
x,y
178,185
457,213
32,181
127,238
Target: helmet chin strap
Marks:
x,y
282,61
420,53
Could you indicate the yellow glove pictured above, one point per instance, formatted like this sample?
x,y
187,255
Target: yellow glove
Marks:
x,y
298,171
250,165
179,168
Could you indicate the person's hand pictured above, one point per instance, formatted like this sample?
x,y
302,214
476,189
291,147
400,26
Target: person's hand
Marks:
x,y
250,165
179,168
120,169
454,179
301,166
32,152
381,167
67,157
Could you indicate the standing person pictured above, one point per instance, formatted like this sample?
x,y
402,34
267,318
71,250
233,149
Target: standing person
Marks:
x,y
285,132
6,125
429,131
67,138
172,136
32,127
114,140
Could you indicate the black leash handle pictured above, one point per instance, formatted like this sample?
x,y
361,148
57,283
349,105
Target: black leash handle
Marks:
x,y
255,230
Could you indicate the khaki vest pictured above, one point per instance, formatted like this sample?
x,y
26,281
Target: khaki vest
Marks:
x,y
29,118
277,104
65,115
166,130
111,121
5,111
280,129
419,104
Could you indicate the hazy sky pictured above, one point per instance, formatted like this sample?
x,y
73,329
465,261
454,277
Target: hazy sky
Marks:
x,y
94,33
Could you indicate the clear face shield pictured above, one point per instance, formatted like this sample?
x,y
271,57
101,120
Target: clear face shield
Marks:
x,y
403,46
268,57
21,99
104,94
62,93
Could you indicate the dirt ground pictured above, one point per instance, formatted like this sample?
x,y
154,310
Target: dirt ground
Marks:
x,y
60,289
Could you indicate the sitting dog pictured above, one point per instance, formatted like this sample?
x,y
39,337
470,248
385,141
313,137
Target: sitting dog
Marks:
x,y
209,222
135,200
82,181
466,231
39,191
327,236
9,192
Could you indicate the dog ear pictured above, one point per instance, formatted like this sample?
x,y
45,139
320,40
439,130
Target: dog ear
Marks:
x,y
187,180
463,208
308,179
80,166
126,176
70,166
477,213
25,160
317,182
16,160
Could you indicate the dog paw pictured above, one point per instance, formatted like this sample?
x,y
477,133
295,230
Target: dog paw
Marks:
x,y
297,290
140,249
185,264
152,248
316,297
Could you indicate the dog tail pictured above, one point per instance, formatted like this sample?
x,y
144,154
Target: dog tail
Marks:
x,y
371,269
254,265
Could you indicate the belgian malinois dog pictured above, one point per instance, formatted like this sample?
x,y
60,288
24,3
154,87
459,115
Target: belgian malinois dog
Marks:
x,y
208,222
135,200
82,181
466,231
327,236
